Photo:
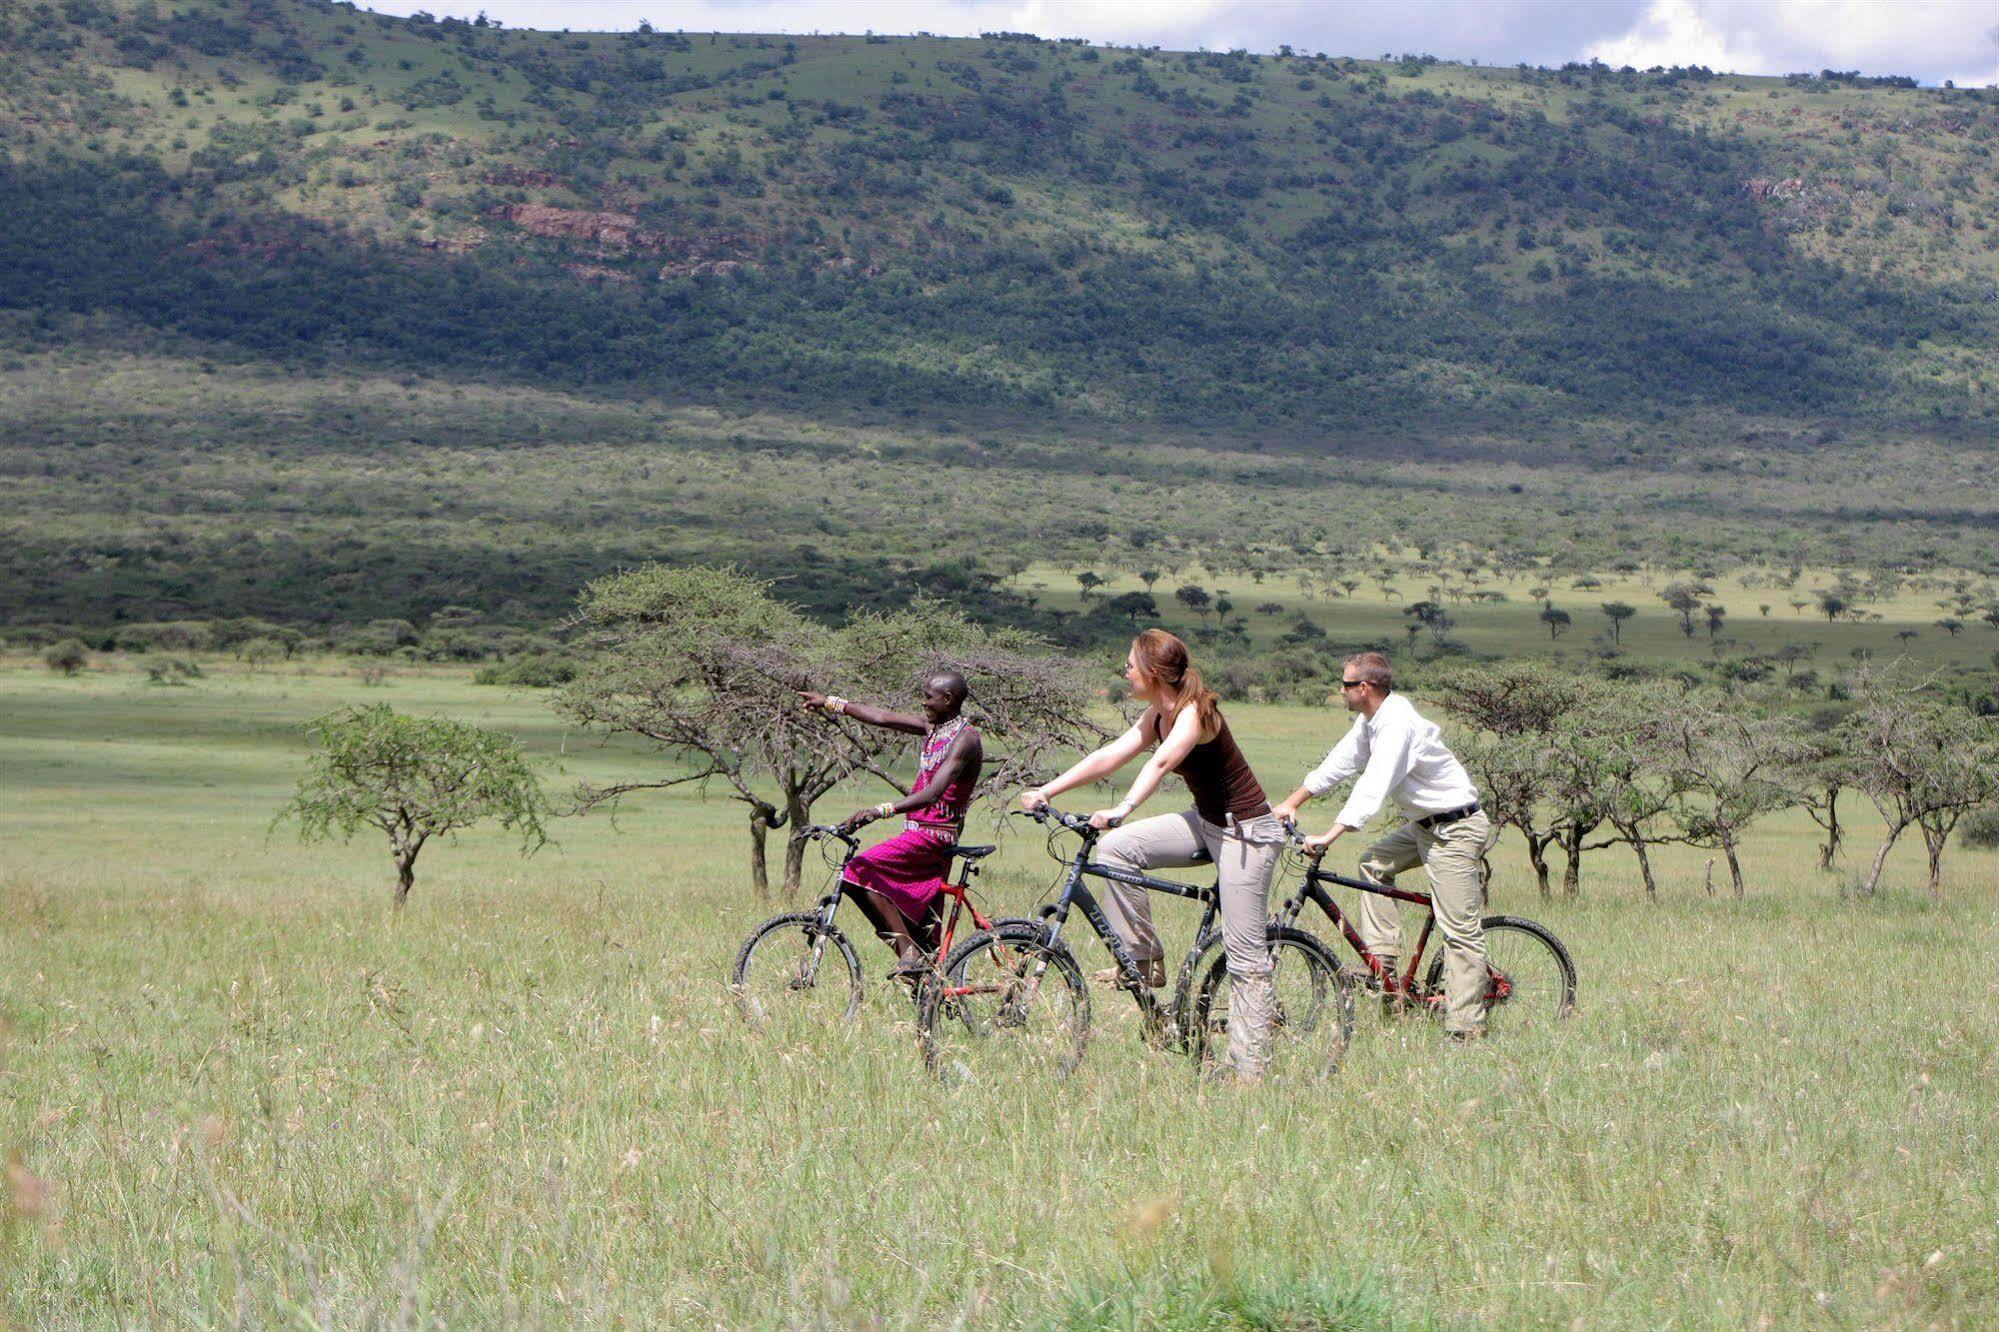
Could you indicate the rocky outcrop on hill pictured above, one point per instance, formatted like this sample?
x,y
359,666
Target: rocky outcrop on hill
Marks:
x,y
1757,188
610,231
705,268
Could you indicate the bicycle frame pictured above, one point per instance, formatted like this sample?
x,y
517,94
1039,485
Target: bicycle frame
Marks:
x,y
1075,894
959,892
1313,889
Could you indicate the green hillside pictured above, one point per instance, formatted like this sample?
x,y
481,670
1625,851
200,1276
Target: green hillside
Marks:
x,y
1108,233
321,316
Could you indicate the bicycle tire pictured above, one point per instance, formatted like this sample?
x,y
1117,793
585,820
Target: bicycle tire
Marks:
x,y
1027,1012
797,941
1315,1005
1532,978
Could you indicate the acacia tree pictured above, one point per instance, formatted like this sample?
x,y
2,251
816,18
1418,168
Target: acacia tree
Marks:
x,y
1684,599
1432,616
1822,773
1573,805
704,663
1727,769
1195,598
1512,712
708,665
413,778
1924,760
1135,606
1617,612
1615,738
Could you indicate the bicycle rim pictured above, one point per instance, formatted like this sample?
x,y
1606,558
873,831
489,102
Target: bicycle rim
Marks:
x,y
1008,1007
1531,981
794,978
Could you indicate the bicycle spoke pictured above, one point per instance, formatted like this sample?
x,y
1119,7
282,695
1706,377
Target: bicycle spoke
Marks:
x,y
796,978
1530,981
1006,1007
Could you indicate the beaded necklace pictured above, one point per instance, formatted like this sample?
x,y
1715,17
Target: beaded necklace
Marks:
x,y
935,746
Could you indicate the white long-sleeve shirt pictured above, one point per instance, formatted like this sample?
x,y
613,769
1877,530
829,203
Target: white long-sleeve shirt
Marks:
x,y
1397,753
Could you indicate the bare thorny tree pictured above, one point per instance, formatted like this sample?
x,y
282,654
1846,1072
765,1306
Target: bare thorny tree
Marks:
x,y
1924,760
708,665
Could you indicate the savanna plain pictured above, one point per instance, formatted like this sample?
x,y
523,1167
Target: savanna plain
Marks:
x,y
237,1089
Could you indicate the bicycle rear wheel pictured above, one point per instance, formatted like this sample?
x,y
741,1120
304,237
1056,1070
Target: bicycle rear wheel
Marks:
x,y
1531,981
1314,1019
1008,1004
795,972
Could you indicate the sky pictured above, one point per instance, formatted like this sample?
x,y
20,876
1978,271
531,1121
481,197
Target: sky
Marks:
x,y
1932,40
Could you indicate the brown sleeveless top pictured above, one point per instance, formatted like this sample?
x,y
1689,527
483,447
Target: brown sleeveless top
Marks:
x,y
1216,772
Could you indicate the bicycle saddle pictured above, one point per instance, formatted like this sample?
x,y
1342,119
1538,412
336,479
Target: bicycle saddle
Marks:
x,y
972,852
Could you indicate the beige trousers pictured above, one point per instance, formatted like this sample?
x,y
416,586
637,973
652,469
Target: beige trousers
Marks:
x,y
1450,855
1245,857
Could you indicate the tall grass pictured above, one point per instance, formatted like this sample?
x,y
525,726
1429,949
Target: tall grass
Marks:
x,y
237,1091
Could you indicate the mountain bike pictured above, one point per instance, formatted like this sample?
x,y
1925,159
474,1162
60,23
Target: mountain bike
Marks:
x,y
1531,980
1013,997
800,966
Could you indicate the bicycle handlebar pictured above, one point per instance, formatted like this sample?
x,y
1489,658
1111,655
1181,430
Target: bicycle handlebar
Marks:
x,y
815,831
1076,823
1295,836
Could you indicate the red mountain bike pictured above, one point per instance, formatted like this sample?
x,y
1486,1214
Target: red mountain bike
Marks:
x,y
1531,983
800,967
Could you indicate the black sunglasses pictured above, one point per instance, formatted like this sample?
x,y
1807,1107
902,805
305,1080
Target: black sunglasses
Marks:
x,y
1352,684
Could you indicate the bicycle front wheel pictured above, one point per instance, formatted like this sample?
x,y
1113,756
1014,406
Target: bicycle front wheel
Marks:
x,y
1313,1019
795,971
1530,979
1008,1003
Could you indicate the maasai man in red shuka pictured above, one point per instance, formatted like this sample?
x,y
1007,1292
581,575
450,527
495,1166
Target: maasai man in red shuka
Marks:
x,y
898,882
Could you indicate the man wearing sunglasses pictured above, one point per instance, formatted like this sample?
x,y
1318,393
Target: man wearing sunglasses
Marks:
x,y
1398,754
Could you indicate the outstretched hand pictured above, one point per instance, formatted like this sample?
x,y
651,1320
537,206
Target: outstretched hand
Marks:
x,y
814,700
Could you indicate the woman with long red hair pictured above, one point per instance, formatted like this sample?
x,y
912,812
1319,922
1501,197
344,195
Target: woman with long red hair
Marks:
x,y
1230,824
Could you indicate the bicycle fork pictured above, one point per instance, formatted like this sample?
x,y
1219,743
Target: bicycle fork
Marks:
x,y
808,966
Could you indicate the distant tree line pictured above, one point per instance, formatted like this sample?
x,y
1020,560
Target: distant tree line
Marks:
x,y
1574,765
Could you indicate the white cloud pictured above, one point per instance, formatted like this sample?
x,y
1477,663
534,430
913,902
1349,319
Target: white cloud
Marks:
x,y
1675,32
1929,39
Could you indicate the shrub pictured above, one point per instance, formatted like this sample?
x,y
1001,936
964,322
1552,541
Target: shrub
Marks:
x,y
1980,829
540,671
68,656
172,671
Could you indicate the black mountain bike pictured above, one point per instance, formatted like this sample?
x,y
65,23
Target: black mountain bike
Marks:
x,y
1013,998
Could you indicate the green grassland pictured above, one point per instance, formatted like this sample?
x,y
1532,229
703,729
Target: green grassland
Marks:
x,y
869,317
250,1094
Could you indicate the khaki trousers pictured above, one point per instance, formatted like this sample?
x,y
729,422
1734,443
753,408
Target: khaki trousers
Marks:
x,y
1450,855
1245,856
